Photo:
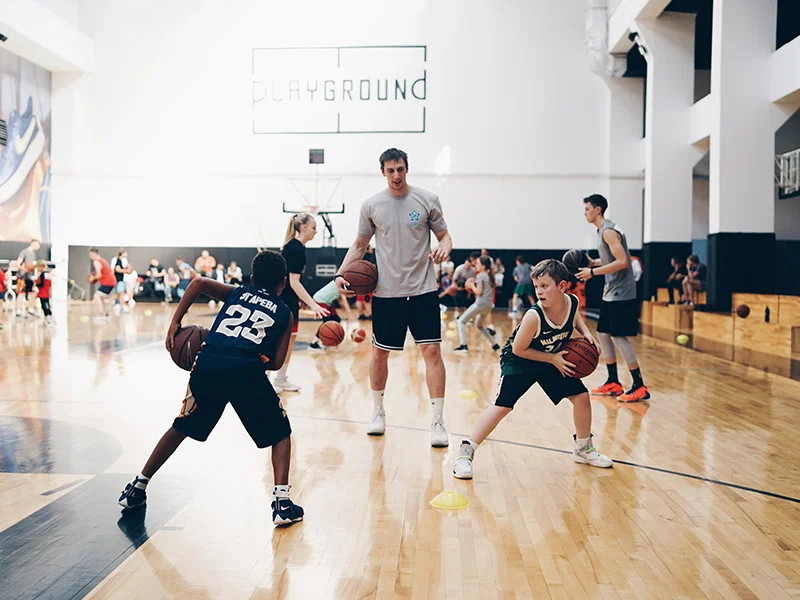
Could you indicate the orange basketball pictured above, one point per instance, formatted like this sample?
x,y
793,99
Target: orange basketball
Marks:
x,y
583,355
452,289
362,276
358,335
331,333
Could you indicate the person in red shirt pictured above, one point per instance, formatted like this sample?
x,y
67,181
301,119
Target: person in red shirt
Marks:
x,y
102,274
44,278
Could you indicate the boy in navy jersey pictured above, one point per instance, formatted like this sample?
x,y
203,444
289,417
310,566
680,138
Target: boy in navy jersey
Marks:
x,y
250,334
533,354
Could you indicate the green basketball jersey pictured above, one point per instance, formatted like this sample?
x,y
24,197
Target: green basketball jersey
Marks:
x,y
551,338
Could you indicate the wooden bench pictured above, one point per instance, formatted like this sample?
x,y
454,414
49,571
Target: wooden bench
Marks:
x,y
670,320
713,333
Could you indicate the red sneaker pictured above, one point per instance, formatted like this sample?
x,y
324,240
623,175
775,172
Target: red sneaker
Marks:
x,y
635,395
609,388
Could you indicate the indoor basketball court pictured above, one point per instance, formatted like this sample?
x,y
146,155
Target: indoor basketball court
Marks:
x,y
613,183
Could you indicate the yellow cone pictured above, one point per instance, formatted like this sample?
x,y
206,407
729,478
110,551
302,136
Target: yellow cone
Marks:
x,y
452,324
450,500
450,334
467,394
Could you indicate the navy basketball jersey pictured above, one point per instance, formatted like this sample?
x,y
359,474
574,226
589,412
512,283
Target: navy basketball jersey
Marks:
x,y
252,321
551,338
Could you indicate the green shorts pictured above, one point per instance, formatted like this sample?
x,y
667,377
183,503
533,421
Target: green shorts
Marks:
x,y
523,290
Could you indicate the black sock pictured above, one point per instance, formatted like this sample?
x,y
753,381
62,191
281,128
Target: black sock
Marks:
x,y
612,373
637,378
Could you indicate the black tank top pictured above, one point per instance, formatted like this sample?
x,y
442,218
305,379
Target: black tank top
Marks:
x,y
551,338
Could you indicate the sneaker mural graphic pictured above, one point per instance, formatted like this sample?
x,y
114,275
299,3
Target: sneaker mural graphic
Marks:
x,y
24,145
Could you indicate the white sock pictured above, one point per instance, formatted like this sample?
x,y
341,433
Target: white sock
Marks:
x,y
281,375
473,444
281,491
377,398
437,407
141,482
582,442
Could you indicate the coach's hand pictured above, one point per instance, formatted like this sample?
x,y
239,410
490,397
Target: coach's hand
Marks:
x,y
173,329
344,286
561,363
584,274
438,255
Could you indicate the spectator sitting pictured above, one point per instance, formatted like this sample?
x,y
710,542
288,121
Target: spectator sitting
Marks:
x,y
675,279
154,282
172,282
205,264
234,274
695,280
219,273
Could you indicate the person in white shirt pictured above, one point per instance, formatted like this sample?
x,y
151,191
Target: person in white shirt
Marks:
x,y
234,273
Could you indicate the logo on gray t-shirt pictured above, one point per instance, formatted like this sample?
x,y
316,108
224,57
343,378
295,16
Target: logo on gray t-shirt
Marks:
x,y
402,228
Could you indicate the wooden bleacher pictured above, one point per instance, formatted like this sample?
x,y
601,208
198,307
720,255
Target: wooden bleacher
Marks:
x,y
772,345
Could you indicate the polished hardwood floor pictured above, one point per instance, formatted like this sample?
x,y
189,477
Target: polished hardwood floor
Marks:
x,y
703,501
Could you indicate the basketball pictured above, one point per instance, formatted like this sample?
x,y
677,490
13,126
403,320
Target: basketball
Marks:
x,y
743,310
331,333
358,335
583,355
452,290
575,259
188,341
362,276
91,278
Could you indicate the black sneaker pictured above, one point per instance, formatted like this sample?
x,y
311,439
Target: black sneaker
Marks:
x,y
496,347
286,512
362,317
462,349
316,347
132,496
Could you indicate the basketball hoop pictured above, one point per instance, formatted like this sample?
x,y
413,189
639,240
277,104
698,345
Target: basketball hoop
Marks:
x,y
312,209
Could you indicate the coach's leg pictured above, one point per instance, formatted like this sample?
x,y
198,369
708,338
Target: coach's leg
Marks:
x,y
435,377
378,375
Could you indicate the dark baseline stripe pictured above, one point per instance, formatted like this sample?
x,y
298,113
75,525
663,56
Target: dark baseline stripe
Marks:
x,y
561,451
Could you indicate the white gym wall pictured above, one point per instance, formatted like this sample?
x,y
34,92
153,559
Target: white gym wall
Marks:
x,y
157,144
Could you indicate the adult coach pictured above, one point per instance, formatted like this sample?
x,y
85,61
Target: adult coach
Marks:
x,y
619,311
401,218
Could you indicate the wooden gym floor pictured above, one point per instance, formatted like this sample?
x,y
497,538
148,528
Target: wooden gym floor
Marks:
x,y
702,502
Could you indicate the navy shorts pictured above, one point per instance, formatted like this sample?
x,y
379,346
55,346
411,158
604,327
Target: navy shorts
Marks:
x,y
217,380
513,386
392,317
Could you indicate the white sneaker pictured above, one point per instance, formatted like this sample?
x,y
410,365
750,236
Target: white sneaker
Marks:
x,y
589,455
462,468
439,436
378,424
284,385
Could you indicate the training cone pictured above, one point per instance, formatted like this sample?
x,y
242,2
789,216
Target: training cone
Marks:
x,y
452,324
450,500
450,334
467,394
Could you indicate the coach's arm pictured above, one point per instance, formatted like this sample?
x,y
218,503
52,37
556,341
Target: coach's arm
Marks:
x,y
356,252
445,246
620,262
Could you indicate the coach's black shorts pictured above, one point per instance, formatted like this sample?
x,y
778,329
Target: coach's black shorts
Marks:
x,y
28,285
514,385
391,317
217,380
620,318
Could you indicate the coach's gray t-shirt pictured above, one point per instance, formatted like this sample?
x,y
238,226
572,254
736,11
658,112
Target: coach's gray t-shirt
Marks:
x,y
485,299
402,227
620,285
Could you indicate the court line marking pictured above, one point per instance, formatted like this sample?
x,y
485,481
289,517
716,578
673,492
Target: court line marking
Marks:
x,y
560,451
63,487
